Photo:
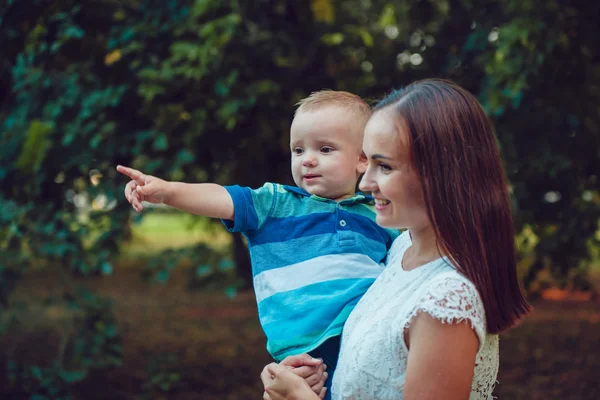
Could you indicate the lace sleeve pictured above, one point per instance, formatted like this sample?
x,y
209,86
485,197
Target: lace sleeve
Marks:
x,y
451,298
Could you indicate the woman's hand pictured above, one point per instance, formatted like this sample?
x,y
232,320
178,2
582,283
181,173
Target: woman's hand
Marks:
x,y
282,384
309,368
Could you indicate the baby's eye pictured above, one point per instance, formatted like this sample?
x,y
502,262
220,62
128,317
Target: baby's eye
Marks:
x,y
298,150
326,149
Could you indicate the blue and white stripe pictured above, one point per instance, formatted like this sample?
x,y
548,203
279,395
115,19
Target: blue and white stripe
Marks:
x,y
312,260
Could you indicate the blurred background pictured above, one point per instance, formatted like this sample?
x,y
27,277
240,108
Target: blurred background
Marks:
x,y
99,302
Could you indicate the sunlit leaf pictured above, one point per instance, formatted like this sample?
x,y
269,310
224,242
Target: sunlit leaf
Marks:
x,y
323,11
112,57
36,145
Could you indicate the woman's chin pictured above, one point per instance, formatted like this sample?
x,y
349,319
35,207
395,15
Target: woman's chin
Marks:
x,y
385,222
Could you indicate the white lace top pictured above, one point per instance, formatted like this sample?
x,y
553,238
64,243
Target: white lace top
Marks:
x,y
373,355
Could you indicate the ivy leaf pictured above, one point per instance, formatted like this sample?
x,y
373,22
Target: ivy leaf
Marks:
x,y
161,142
73,376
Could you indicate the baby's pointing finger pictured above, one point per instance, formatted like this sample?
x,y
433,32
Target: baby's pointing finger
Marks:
x,y
134,174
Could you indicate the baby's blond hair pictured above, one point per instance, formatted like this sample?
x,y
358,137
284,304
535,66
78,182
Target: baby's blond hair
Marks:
x,y
353,103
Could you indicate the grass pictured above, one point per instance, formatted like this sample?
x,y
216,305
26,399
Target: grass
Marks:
x,y
158,231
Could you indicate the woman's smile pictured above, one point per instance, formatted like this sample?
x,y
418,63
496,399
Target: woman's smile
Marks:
x,y
380,204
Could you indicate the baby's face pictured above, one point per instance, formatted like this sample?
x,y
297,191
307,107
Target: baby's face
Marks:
x,y
326,147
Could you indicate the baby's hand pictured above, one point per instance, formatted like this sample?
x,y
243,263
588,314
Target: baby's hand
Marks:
x,y
144,187
313,370
281,384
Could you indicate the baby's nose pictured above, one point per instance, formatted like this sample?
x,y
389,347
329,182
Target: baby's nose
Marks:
x,y
309,161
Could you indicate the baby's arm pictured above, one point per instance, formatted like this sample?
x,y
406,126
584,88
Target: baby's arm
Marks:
x,y
206,199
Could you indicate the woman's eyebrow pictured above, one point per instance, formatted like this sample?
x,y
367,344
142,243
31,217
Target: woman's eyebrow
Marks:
x,y
380,156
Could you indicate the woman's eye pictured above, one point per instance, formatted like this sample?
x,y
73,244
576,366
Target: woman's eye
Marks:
x,y
326,149
298,150
385,167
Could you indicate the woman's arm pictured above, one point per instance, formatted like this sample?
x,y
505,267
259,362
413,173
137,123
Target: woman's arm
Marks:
x,y
441,359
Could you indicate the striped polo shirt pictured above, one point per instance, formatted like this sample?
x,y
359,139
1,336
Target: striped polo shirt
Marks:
x,y
312,260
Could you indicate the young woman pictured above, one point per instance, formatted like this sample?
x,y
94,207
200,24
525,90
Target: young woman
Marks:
x,y
428,327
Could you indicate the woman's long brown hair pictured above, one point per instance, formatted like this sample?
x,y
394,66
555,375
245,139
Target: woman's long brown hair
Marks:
x,y
455,154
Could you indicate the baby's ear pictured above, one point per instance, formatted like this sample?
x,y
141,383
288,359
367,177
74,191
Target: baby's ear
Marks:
x,y
363,163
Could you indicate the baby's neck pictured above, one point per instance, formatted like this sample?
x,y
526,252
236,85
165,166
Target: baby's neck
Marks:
x,y
344,197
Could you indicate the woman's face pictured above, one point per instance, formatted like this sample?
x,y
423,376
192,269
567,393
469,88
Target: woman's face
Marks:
x,y
390,177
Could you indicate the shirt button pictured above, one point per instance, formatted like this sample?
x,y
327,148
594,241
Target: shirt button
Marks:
x,y
342,223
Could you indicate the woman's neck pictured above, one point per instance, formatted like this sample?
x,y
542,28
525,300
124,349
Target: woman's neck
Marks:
x,y
423,250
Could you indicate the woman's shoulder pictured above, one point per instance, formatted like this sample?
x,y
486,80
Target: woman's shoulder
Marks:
x,y
449,279
450,297
450,288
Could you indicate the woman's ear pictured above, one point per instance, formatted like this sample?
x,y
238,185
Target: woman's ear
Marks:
x,y
363,163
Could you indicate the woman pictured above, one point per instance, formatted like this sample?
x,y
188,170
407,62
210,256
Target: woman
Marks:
x,y
428,327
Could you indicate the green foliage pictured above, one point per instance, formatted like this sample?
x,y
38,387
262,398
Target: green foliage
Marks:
x,y
98,342
40,383
203,90
210,269
94,343
162,377
35,147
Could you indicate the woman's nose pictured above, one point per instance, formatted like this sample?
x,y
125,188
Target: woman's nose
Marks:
x,y
367,184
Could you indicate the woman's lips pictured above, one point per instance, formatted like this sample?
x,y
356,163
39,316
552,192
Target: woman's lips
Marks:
x,y
381,204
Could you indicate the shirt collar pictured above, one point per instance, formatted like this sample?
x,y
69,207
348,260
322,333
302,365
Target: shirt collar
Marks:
x,y
359,197
297,190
